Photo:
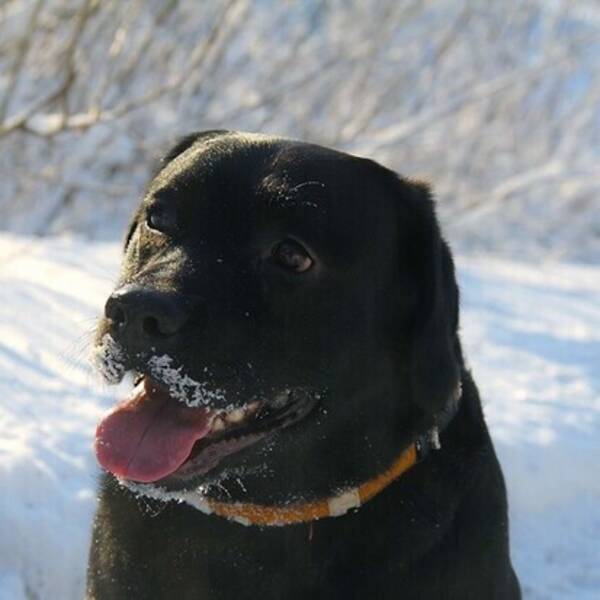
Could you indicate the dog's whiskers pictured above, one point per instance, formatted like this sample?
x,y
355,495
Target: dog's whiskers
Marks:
x,y
75,353
306,183
223,488
240,483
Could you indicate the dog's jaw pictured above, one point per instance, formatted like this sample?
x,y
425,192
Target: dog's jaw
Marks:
x,y
183,427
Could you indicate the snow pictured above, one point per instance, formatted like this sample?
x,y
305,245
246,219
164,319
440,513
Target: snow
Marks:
x,y
182,386
107,358
496,103
532,335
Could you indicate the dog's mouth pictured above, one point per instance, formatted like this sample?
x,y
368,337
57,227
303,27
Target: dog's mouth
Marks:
x,y
152,437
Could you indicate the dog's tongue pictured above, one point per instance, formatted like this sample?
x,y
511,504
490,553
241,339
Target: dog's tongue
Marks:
x,y
149,435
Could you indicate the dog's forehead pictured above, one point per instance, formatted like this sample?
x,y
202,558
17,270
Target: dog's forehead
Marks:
x,y
254,167
242,184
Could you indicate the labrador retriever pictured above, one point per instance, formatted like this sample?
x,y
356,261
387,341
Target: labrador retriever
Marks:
x,y
302,423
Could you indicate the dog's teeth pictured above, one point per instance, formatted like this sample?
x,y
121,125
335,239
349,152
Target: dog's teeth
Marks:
x,y
280,400
252,407
218,424
235,416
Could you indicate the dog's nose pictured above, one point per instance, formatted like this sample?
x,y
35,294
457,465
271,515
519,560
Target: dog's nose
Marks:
x,y
139,314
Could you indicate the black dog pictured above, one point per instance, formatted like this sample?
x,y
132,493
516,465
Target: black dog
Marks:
x,y
290,314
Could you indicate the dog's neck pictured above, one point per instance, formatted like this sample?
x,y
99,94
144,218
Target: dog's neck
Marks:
x,y
339,504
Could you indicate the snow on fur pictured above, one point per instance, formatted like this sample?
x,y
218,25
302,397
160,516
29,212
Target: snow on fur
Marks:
x,y
107,358
181,386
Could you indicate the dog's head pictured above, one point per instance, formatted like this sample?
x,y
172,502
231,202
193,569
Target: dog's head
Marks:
x,y
290,315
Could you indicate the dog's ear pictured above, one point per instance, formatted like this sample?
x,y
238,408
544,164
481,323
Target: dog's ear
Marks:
x,y
189,140
436,356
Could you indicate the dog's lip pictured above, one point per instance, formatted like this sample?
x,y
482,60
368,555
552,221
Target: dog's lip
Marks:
x,y
228,417
261,419
212,433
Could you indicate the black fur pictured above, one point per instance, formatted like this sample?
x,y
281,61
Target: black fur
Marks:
x,y
373,325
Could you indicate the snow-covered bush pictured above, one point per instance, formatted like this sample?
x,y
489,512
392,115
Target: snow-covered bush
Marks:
x,y
493,102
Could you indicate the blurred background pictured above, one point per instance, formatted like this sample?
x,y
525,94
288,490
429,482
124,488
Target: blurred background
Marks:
x,y
496,103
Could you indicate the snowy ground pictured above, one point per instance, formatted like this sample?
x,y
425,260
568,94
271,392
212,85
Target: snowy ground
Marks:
x,y
532,334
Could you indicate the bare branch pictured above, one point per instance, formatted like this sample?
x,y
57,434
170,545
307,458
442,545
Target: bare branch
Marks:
x,y
61,93
232,15
20,57
518,77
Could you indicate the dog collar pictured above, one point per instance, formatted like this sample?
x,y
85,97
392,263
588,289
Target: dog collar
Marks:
x,y
304,512
339,504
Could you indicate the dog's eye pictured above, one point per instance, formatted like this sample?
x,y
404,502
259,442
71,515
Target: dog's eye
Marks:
x,y
292,256
159,218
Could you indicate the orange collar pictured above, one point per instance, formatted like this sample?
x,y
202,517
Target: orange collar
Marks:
x,y
247,513
335,506
303,512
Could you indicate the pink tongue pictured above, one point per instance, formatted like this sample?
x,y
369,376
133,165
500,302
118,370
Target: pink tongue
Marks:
x,y
149,435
